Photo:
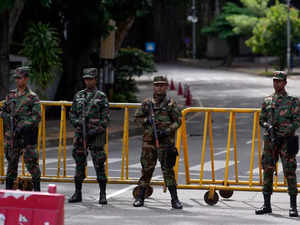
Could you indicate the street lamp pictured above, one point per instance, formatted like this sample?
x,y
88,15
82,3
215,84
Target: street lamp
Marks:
x,y
193,18
288,53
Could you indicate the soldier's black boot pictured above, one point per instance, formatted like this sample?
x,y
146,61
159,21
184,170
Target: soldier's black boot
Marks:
x,y
266,208
293,203
9,183
77,196
102,199
176,204
36,185
139,201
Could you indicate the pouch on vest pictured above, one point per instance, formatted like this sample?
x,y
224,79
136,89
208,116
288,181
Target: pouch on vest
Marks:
x,y
293,145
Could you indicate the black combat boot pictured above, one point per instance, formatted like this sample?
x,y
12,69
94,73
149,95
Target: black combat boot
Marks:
x,y
36,185
102,199
9,184
176,204
293,203
266,208
77,196
139,201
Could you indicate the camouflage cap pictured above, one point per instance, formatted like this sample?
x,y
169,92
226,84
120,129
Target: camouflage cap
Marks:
x,y
21,71
160,80
89,73
279,75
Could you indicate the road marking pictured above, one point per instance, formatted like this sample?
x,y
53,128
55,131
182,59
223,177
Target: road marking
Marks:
x,y
222,152
218,164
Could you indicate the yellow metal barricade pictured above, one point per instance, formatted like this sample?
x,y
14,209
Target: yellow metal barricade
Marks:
x,y
226,185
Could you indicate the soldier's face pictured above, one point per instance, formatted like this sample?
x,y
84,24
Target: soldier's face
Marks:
x,y
21,82
90,83
160,89
278,85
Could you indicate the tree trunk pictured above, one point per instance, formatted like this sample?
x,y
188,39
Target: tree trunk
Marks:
x,y
14,16
4,54
122,31
168,29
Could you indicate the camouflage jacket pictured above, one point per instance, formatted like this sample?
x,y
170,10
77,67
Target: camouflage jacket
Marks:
x,y
25,109
93,105
283,112
167,117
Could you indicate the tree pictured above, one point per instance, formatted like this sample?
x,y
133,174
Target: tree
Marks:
x,y
224,30
41,46
10,11
269,35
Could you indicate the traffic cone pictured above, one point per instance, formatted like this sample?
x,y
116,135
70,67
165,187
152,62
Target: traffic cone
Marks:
x,y
180,92
185,88
188,100
172,86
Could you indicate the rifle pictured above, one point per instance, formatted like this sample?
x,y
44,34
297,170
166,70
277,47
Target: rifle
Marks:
x,y
83,124
12,123
152,122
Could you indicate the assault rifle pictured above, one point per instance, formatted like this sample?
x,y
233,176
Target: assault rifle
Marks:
x,y
152,122
83,124
12,123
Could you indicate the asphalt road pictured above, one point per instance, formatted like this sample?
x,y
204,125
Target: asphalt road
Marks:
x,y
210,88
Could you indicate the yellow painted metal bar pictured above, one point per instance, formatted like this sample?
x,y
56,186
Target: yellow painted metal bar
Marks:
x,y
125,130
203,147
235,149
43,111
127,144
1,148
228,148
204,109
185,151
211,147
65,140
178,146
252,148
61,137
259,151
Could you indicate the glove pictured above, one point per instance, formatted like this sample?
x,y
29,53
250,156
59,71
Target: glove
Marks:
x,y
163,133
91,133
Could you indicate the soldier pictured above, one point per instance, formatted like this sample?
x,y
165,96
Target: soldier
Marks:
x,y
21,112
166,119
89,115
280,116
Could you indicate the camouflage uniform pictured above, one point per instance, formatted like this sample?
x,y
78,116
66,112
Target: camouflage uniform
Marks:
x,y
93,105
282,112
167,118
26,112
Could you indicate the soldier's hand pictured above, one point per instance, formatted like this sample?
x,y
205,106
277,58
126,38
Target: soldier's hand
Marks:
x,y
163,133
91,133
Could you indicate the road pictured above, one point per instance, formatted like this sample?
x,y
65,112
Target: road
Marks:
x,y
210,88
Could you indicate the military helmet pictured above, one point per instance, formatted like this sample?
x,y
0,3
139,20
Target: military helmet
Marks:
x,y
279,75
89,73
21,71
160,80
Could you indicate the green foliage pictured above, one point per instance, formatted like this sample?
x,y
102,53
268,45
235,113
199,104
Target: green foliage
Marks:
x,y
130,62
41,46
221,26
270,35
244,21
6,4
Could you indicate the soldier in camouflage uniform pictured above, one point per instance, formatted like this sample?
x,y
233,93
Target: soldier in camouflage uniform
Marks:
x,y
167,118
21,113
280,116
90,108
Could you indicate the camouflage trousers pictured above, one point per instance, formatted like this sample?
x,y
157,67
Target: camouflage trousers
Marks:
x,y
149,157
80,156
289,165
31,157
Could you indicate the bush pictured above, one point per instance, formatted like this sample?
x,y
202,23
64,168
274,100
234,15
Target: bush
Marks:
x,y
130,62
